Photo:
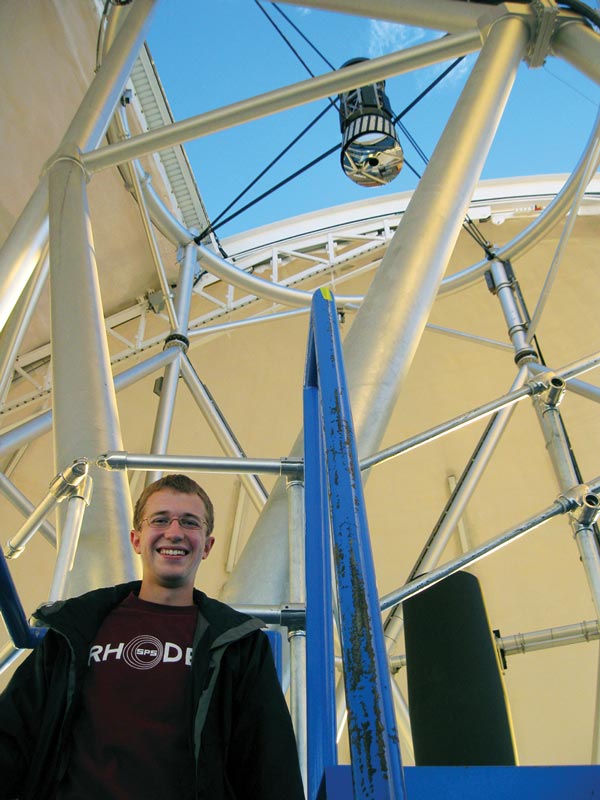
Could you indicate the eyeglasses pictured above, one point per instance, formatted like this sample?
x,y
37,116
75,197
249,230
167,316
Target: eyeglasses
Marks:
x,y
163,521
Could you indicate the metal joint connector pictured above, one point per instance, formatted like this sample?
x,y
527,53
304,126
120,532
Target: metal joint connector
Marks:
x,y
177,340
83,491
555,389
525,354
70,153
293,617
537,385
66,482
546,17
11,551
572,499
293,468
587,510
113,459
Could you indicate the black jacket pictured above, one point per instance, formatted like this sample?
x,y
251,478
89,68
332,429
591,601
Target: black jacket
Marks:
x,y
239,723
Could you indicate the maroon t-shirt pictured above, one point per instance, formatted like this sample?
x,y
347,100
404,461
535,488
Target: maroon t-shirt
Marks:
x,y
131,738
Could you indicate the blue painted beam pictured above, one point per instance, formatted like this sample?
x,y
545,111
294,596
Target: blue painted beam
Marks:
x,y
481,783
22,634
375,753
320,665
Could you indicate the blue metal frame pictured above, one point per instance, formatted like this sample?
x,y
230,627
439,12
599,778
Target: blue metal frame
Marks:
x,y
22,634
375,753
320,669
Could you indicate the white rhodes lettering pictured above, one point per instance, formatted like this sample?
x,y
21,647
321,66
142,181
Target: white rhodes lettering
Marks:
x,y
142,652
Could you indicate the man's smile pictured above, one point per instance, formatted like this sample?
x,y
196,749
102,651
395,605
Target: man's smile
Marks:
x,y
172,551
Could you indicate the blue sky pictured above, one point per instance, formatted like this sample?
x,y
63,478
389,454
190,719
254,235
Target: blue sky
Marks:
x,y
210,54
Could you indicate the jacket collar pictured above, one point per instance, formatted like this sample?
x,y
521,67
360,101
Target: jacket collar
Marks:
x,y
83,615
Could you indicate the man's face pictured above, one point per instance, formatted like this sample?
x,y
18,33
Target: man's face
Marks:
x,y
171,556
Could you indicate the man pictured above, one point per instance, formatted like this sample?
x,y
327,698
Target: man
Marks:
x,y
150,690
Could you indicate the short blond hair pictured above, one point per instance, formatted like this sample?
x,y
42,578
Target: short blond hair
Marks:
x,y
177,483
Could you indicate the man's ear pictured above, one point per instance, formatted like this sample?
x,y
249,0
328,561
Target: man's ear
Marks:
x,y
208,546
134,536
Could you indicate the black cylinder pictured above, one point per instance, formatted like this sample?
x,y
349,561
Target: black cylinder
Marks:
x,y
459,713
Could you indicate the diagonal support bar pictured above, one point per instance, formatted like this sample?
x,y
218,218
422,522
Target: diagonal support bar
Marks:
x,y
376,765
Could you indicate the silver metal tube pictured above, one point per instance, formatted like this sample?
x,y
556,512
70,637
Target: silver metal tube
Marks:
x,y
242,323
221,430
17,543
185,287
534,232
587,545
152,243
504,401
26,507
580,46
578,387
471,478
282,99
86,419
561,506
261,287
519,643
62,485
469,337
445,527
578,367
378,356
504,290
403,720
76,507
18,322
168,392
272,615
97,107
170,227
22,248
164,414
37,426
297,638
592,166
558,449
567,372
425,238
8,655
121,460
436,14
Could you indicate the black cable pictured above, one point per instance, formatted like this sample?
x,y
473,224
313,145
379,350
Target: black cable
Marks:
x,y
263,172
291,177
412,169
582,8
409,137
286,40
219,221
426,91
299,32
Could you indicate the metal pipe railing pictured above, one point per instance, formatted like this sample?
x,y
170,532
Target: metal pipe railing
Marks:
x,y
119,460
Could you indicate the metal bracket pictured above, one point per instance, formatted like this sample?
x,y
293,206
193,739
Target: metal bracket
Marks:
x,y
66,482
587,512
293,468
555,388
69,152
293,617
546,16
582,504
177,340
